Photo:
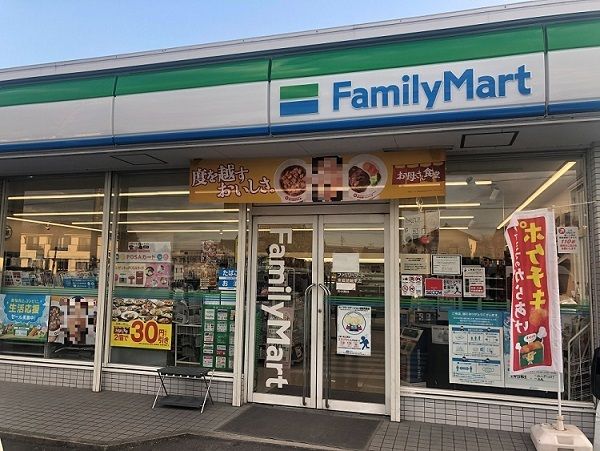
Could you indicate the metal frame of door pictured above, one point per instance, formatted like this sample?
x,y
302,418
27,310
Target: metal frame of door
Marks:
x,y
318,395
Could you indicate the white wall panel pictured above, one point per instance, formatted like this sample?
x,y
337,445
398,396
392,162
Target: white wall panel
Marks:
x,y
89,118
574,74
218,107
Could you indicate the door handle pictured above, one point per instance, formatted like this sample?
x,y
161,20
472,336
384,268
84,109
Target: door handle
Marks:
x,y
327,359
306,344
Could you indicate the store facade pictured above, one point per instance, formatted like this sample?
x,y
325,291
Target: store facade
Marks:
x,y
318,219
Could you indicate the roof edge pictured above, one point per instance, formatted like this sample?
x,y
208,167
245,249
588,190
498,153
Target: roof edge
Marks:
x,y
397,27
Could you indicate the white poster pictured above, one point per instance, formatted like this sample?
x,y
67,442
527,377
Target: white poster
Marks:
x,y
473,281
157,251
412,286
447,265
452,288
354,330
567,239
415,264
346,262
418,225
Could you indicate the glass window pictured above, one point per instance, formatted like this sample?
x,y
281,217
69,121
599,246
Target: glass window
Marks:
x,y
52,246
175,274
467,229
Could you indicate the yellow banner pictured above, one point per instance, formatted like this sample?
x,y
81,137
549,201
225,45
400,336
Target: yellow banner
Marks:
x,y
141,334
337,178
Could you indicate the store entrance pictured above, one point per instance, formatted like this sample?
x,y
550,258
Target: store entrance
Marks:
x,y
318,333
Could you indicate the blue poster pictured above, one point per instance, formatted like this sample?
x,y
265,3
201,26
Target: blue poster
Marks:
x,y
227,279
24,317
476,356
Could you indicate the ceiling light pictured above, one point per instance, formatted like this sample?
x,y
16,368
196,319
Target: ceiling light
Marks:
x,y
61,213
454,228
558,174
457,217
183,221
155,193
201,210
356,229
457,205
183,231
465,183
33,221
56,196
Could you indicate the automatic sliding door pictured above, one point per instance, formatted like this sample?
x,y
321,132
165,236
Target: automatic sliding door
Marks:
x,y
354,347
284,295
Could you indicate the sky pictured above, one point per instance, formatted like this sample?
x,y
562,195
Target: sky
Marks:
x,y
43,31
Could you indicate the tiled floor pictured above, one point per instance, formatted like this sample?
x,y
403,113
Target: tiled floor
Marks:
x,y
412,436
78,415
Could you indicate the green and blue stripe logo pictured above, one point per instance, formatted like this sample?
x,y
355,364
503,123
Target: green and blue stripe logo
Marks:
x,y
299,99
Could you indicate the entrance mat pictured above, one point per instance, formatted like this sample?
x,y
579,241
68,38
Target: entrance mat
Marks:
x,y
305,426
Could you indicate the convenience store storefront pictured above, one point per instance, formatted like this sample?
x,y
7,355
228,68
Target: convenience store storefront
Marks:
x,y
306,219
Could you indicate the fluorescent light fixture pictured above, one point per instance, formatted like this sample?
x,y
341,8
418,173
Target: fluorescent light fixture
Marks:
x,y
442,217
457,205
361,260
136,212
558,174
183,221
454,228
183,231
61,213
465,183
56,224
199,210
457,217
293,230
155,193
56,196
355,229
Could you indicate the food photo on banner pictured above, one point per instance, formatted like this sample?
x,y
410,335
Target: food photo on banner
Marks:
x,y
364,177
142,323
535,333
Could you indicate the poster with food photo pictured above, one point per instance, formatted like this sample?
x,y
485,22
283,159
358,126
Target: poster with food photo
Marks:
x,y
329,178
143,275
142,323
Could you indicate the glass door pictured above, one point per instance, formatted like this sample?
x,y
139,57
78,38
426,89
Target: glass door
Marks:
x,y
354,349
318,334
283,295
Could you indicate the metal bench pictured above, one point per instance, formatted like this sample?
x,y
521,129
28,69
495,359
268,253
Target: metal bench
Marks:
x,y
183,372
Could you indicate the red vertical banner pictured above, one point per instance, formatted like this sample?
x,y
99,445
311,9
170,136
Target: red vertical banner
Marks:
x,y
535,332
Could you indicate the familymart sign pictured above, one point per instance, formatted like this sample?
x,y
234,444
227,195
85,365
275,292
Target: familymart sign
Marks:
x,y
488,88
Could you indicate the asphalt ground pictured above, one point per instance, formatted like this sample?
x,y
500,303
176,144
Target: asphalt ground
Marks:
x,y
180,443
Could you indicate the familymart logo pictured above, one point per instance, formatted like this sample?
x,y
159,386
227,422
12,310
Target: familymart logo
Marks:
x,y
299,99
